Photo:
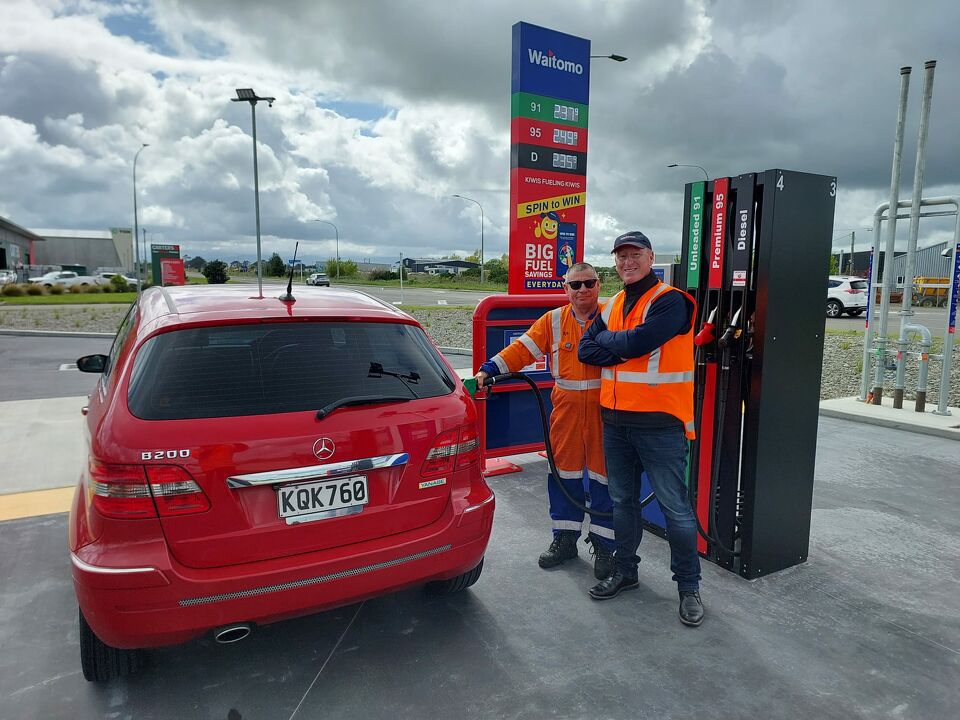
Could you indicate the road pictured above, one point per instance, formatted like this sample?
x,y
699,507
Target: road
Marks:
x,y
32,366
933,318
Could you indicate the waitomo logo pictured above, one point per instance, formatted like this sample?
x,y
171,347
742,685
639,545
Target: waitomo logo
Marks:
x,y
548,59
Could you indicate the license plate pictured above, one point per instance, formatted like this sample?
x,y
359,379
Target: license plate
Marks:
x,y
322,499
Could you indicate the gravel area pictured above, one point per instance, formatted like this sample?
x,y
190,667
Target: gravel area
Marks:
x,y
842,355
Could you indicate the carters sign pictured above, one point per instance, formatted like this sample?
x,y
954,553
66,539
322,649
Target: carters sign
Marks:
x,y
548,158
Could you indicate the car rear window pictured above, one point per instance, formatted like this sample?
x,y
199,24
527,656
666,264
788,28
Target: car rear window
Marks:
x,y
858,284
280,367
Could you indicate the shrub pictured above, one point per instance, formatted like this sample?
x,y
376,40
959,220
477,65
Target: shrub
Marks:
x,y
384,275
92,289
119,283
77,289
34,289
56,290
215,272
12,290
108,288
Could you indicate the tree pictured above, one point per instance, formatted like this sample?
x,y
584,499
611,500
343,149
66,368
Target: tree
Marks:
x,y
495,270
474,257
215,272
348,268
275,266
195,263
834,265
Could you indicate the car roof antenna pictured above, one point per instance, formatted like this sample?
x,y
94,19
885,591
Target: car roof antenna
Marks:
x,y
288,295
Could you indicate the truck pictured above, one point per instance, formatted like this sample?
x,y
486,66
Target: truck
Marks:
x,y
66,278
930,291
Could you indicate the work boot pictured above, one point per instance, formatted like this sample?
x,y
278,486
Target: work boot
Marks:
x,y
691,608
613,586
602,559
563,547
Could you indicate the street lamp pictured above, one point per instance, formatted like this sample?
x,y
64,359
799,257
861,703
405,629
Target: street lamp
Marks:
x,y
705,174
463,197
337,232
248,95
614,57
136,225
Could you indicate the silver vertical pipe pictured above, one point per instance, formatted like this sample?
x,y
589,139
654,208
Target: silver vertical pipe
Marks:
x,y
256,198
891,234
871,321
905,311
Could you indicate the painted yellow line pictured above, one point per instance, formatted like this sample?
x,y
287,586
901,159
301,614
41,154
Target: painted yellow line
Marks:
x,y
38,502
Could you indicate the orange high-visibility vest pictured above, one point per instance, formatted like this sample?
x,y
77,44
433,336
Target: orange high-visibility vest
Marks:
x,y
660,381
576,429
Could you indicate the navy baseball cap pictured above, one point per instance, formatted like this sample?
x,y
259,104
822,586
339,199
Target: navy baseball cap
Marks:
x,y
635,238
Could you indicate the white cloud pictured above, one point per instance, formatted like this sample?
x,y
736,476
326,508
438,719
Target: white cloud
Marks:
x,y
386,109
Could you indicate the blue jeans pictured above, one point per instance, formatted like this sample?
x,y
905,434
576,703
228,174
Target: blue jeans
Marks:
x,y
662,453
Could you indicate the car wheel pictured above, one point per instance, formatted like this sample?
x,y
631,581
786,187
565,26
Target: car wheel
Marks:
x,y
856,312
834,308
101,662
456,584
927,302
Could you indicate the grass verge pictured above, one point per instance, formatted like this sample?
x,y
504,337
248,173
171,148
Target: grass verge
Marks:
x,y
72,299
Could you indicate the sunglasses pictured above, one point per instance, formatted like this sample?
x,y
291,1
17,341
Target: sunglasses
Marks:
x,y
577,284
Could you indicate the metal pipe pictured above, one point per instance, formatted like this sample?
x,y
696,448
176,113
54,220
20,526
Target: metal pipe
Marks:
x,y
870,327
891,232
905,307
256,198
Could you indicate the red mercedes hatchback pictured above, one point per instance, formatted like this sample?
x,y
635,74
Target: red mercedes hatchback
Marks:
x,y
253,459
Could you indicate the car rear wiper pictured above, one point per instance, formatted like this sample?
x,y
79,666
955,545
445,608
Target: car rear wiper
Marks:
x,y
376,371
359,400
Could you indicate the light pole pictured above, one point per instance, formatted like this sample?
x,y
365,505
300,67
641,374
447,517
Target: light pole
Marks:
x,y
853,237
705,173
612,56
463,197
248,95
337,234
136,225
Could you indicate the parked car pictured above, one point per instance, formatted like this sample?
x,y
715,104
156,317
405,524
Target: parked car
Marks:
x,y
67,278
8,276
104,278
846,294
251,460
319,279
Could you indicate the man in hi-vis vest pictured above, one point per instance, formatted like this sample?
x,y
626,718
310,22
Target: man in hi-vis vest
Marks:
x,y
575,428
646,399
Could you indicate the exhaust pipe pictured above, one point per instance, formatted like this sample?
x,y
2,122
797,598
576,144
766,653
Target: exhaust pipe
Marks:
x,y
232,633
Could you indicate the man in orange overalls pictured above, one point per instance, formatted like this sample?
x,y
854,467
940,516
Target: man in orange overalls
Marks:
x,y
575,426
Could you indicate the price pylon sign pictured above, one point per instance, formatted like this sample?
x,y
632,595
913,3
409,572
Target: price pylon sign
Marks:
x,y
548,157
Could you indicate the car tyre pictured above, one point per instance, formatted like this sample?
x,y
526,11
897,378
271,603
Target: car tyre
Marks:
x,y
927,302
857,312
834,308
101,662
455,584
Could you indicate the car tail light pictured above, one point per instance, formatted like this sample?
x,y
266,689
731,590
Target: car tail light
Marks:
x,y
127,492
120,491
853,291
452,449
175,492
469,452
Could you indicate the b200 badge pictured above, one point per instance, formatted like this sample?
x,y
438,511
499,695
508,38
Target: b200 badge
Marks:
x,y
164,454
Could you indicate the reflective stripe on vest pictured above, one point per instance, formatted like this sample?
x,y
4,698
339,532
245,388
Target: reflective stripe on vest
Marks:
x,y
605,313
555,342
648,378
577,384
653,364
530,345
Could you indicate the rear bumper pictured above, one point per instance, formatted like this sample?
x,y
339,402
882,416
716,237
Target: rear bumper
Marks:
x,y
160,602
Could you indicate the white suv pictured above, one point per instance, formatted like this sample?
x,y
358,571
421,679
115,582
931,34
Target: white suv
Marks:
x,y
846,294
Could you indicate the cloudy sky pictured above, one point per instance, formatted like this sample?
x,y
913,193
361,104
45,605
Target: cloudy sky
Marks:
x,y
385,109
